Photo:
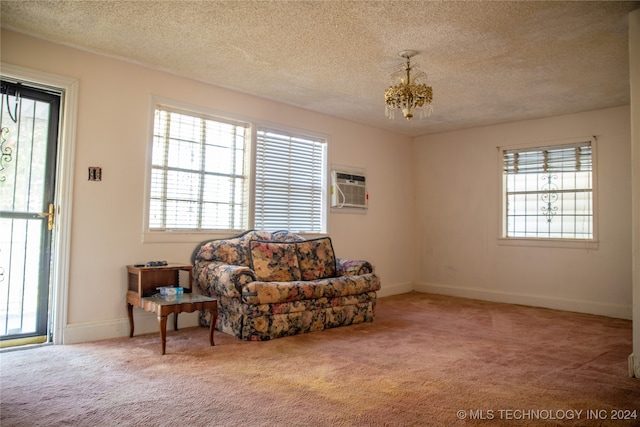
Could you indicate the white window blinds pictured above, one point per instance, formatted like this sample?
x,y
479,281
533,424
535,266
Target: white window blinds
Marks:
x,y
198,179
289,188
566,158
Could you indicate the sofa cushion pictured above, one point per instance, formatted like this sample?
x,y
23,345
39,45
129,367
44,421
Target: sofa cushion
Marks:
x,y
274,261
277,292
316,258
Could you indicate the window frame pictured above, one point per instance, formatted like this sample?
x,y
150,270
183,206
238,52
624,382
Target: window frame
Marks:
x,y
547,242
195,236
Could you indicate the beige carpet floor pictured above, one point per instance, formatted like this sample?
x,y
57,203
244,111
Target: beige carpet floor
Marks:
x,y
426,360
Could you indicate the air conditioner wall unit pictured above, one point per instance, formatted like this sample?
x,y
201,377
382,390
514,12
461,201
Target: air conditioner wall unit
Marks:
x,y
348,190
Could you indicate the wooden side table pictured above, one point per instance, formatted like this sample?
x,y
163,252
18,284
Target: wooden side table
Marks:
x,y
188,303
143,281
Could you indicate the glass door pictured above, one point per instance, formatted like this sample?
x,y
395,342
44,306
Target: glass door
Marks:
x,y
29,120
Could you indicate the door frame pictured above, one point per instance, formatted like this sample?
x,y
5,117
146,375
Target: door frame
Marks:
x,y
61,238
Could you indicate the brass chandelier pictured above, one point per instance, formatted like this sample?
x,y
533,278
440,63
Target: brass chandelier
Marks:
x,y
408,93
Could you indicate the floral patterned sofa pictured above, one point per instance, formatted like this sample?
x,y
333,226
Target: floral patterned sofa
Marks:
x,y
271,285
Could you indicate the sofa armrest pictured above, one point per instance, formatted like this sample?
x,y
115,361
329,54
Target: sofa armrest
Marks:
x,y
350,267
215,278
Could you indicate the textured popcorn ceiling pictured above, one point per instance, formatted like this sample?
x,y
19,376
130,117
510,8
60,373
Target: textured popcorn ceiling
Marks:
x,y
488,62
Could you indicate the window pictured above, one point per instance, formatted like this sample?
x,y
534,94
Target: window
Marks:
x,y
201,180
548,191
290,171
198,173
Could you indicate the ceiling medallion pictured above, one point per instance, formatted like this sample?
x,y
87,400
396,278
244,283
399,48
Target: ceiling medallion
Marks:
x,y
408,92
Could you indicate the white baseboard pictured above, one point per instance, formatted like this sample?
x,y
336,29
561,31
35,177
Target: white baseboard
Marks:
x,y
581,306
387,291
144,323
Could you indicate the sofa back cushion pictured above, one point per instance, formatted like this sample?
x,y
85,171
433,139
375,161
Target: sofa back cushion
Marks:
x,y
279,256
233,251
274,261
316,258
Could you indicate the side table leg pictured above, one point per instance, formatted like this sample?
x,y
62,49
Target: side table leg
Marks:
x,y
130,313
162,323
212,326
175,321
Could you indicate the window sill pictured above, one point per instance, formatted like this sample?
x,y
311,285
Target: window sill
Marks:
x,y
549,243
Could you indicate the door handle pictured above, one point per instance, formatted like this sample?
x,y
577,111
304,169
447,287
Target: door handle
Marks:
x,y
49,215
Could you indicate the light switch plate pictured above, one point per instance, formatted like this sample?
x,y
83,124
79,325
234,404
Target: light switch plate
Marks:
x,y
95,173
